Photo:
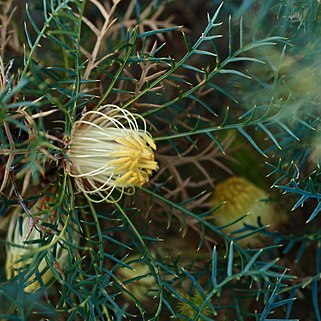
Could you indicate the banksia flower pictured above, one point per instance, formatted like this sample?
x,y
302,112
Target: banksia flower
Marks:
x,y
109,151
20,252
240,197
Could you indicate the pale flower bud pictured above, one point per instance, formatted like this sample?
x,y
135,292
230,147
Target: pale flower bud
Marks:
x,y
21,253
138,279
109,151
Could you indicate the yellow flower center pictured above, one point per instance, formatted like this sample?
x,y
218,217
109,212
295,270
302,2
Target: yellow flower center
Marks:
x,y
134,160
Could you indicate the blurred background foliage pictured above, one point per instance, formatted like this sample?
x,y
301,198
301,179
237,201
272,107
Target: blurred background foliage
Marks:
x,y
227,90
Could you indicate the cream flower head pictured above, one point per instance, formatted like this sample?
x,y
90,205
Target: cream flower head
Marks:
x,y
109,151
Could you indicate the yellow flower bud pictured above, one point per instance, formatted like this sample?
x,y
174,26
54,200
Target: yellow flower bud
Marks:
x,y
109,151
187,310
241,197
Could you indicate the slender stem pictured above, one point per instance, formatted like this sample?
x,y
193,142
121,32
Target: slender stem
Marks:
x,y
121,68
40,36
148,254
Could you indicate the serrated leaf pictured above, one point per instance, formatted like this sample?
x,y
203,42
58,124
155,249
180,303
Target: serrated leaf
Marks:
x,y
157,31
214,268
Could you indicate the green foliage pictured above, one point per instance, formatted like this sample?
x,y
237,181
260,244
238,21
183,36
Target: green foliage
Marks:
x,y
241,86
